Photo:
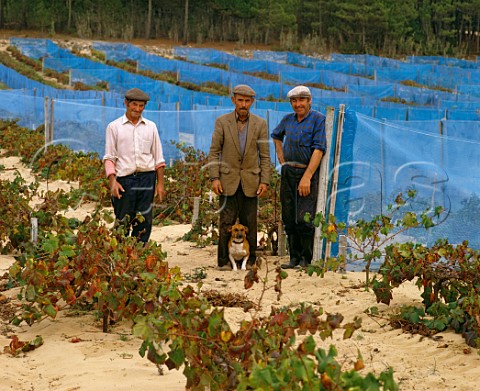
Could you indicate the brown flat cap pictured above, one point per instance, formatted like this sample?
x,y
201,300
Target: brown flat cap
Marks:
x,y
243,89
298,92
136,94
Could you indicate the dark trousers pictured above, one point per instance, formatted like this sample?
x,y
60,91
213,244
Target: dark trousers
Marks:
x,y
137,198
245,209
299,233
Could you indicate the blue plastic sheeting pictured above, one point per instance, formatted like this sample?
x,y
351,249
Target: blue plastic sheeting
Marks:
x,y
391,113
461,105
469,115
203,56
455,130
381,159
419,113
469,89
39,47
27,109
280,57
375,91
65,64
342,73
432,127
366,59
453,62
82,127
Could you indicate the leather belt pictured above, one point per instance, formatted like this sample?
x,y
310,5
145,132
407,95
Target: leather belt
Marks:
x,y
297,165
137,173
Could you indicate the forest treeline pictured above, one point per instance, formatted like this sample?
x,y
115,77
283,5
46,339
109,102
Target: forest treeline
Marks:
x,y
382,27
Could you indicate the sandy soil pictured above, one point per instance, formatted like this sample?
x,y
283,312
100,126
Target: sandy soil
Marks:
x,y
77,355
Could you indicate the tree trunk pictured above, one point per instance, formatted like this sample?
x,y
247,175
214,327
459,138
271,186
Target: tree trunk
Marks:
x,y
185,25
148,25
69,17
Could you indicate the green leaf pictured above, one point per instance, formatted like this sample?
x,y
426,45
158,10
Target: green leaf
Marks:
x,y
318,219
30,293
177,357
308,345
142,329
214,322
67,251
261,378
50,245
50,310
14,270
299,369
410,220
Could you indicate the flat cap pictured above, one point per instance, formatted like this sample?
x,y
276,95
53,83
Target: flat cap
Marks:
x,y
298,92
136,94
243,89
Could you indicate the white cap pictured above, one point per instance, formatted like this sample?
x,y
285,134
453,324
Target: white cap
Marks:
x,y
299,91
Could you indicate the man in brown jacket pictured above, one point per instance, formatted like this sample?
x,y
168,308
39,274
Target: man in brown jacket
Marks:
x,y
239,169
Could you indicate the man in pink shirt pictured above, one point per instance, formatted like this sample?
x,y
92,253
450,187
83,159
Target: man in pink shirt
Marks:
x,y
134,165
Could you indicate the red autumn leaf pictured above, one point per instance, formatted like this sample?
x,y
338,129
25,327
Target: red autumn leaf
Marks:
x,y
251,278
150,262
15,344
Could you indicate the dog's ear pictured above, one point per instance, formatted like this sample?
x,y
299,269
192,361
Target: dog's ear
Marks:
x,y
246,230
230,229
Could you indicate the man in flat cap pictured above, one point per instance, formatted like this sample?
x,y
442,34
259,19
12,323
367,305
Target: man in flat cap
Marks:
x,y
300,143
134,166
239,170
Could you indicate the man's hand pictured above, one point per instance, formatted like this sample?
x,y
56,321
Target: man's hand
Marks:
x,y
304,187
116,189
217,187
262,189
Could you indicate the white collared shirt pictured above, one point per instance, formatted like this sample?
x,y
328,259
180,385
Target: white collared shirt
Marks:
x,y
133,147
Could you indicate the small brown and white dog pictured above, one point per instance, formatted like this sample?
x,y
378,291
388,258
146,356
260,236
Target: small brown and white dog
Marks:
x,y
238,246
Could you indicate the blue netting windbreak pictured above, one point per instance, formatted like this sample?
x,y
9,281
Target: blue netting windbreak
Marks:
x,y
82,127
203,56
455,62
373,85
381,159
27,109
39,47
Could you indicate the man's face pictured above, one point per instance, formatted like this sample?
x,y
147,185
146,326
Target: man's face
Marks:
x,y
242,104
134,109
301,105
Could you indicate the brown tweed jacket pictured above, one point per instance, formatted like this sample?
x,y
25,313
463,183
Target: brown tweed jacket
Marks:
x,y
225,161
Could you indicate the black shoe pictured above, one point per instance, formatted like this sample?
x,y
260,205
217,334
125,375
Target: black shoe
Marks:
x,y
291,265
303,264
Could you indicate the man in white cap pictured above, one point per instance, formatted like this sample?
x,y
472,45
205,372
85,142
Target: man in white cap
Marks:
x,y
300,143
134,165
239,170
